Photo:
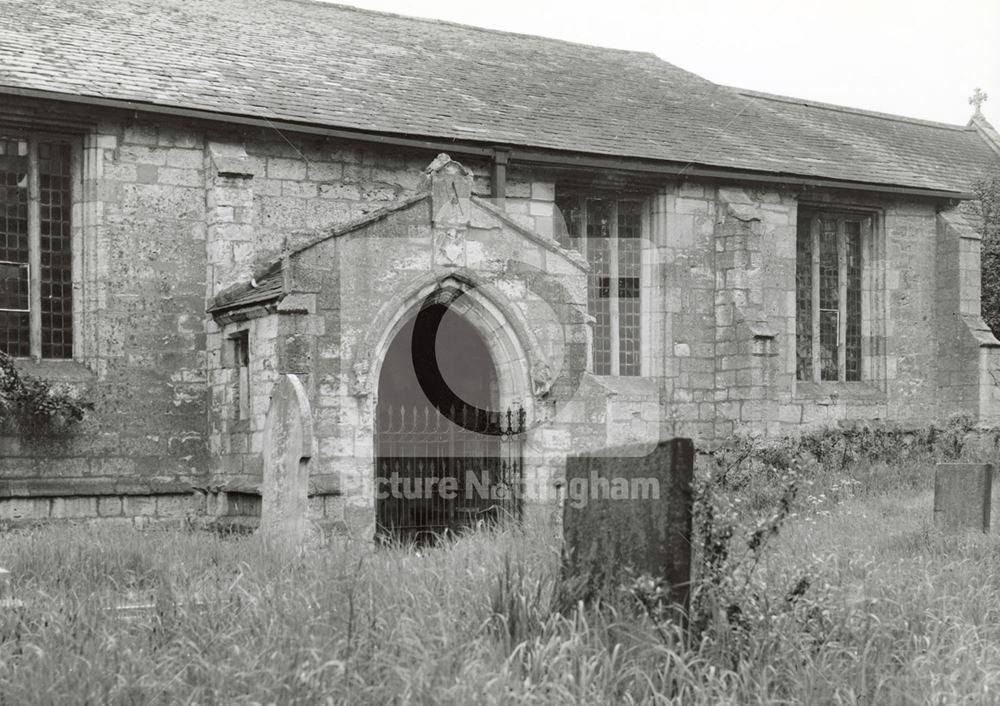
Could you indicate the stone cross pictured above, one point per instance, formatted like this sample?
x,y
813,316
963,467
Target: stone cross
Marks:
x,y
288,447
977,100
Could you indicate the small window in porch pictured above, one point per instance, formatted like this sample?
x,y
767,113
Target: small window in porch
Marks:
x,y
240,357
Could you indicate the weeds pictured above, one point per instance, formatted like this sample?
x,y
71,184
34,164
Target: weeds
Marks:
x,y
819,583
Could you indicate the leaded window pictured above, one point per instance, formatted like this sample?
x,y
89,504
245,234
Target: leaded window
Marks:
x,y
828,300
608,233
36,262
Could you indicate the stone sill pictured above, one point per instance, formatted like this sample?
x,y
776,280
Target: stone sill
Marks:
x,y
55,370
629,385
831,393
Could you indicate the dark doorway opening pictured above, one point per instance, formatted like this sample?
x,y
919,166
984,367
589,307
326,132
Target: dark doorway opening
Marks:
x,y
447,458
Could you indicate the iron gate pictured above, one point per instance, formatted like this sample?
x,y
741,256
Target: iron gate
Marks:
x,y
438,473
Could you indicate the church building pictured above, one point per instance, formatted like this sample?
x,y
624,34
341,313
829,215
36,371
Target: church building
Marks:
x,y
462,242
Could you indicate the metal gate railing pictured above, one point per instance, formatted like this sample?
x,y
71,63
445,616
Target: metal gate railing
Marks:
x,y
438,473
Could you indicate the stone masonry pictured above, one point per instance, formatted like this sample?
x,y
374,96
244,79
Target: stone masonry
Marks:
x,y
169,213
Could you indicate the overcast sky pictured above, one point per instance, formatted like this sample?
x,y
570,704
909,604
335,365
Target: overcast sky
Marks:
x,y
917,58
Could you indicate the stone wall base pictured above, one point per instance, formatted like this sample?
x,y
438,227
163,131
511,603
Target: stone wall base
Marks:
x,y
237,509
137,510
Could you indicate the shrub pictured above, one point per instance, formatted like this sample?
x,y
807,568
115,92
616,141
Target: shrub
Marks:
x,y
730,603
34,408
747,491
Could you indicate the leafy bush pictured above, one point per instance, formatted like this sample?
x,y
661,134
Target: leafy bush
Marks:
x,y
35,408
986,208
730,602
748,489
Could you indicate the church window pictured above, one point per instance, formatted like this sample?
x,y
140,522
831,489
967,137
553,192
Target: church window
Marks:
x,y
36,261
607,232
829,295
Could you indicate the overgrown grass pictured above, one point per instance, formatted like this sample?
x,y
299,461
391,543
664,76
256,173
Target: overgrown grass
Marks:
x,y
855,598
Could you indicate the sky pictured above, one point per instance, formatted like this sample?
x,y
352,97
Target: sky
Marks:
x,y
915,58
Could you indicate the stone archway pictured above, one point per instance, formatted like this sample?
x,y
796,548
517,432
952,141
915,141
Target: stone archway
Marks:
x,y
468,375
524,374
446,455
516,354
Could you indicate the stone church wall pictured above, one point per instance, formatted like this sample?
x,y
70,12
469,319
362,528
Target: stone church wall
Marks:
x,y
169,212
139,344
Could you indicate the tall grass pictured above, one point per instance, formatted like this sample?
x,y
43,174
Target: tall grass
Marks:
x,y
856,599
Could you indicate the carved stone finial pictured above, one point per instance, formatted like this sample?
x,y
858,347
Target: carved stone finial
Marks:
x,y
439,161
978,98
442,161
451,189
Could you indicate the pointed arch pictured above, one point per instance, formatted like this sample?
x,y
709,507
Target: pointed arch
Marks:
x,y
514,348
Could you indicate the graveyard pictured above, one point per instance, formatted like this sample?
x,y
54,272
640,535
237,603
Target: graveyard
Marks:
x,y
822,574
354,357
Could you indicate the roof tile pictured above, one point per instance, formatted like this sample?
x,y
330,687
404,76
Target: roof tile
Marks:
x,y
337,66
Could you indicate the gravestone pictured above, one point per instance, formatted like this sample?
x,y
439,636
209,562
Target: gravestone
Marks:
x,y
627,513
288,446
962,496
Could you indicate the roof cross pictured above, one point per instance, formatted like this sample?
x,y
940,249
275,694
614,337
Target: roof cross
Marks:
x,y
977,100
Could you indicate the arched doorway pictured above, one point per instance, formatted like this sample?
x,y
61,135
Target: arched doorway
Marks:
x,y
446,456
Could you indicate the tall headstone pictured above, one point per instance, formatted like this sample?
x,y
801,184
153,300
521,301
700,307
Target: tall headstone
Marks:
x,y
626,514
288,447
962,496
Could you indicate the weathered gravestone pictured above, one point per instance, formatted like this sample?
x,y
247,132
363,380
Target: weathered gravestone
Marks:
x,y
962,496
288,446
627,514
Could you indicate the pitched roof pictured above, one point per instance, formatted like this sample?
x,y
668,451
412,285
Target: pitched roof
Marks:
x,y
266,286
336,66
908,150
268,283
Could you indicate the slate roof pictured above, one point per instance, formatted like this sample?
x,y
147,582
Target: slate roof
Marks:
x,y
905,149
335,66
268,281
266,286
